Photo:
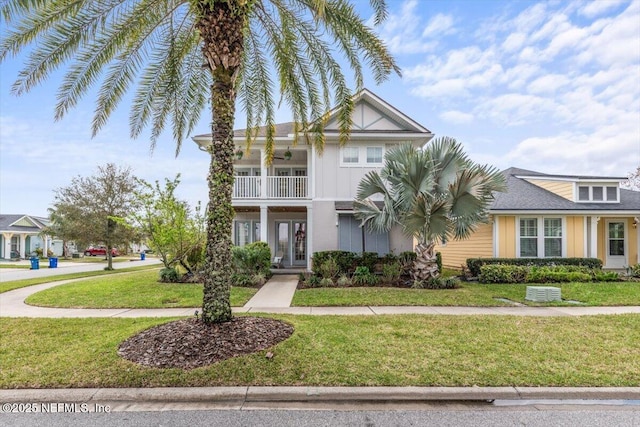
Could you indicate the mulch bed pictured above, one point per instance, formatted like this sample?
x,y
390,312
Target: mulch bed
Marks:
x,y
190,343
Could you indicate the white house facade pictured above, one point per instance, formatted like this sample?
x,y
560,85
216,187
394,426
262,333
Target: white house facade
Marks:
x,y
303,202
21,235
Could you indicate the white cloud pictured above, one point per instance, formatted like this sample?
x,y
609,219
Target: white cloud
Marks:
x,y
595,8
456,117
439,25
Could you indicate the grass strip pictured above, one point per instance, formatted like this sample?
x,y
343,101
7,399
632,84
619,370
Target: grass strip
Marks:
x,y
402,350
134,290
470,294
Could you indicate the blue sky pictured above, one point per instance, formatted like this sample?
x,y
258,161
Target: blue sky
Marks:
x,y
552,86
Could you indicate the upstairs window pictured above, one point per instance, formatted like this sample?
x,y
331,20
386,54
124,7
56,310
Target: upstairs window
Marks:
x,y
362,156
598,193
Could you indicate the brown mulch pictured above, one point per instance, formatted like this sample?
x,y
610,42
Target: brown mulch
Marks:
x,y
190,343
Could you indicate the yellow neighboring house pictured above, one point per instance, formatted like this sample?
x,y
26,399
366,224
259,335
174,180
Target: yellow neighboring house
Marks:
x,y
545,215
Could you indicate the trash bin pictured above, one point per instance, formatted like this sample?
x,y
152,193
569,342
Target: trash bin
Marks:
x,y
142,256
53,262
35,263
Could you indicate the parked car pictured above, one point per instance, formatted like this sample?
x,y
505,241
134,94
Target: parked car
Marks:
x,y
99,250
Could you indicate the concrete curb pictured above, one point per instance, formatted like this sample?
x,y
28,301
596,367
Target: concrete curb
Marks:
x,y
256,394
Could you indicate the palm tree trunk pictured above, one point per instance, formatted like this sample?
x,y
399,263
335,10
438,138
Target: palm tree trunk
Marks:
x,y
221,29
425,266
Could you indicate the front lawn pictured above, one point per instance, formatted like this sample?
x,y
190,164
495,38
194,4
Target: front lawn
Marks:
x,y
469,294
404,350
134,290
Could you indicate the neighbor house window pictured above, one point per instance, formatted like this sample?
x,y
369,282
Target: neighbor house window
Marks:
x,y
246,232
374,154
540,237
528,237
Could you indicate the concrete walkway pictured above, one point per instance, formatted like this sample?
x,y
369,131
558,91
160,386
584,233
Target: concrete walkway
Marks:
x,y
275,297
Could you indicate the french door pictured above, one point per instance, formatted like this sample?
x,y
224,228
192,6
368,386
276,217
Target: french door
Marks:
x,y
291,242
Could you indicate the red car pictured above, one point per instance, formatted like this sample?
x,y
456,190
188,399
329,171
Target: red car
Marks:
x,y
99,250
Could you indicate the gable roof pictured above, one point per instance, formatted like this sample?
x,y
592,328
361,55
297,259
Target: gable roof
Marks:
x,y
524,196
372,115
21,223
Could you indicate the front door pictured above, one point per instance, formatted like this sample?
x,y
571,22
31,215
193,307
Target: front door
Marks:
x,y
615,244
291,242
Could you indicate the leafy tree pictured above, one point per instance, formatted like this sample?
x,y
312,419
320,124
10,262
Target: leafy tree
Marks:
x,y
633,180
186,53
172,230
433,194
95,209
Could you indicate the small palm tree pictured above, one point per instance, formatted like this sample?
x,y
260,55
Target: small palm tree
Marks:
x,y
186,54
433,194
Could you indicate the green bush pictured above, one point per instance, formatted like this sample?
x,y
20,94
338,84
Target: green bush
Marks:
x,y
343,281
436,283
558,274
329,268
169,275
242,280
252,258
606,276
391,272
313,281
344,259
634,270
501,273
363,277
474,264
369,260
326,282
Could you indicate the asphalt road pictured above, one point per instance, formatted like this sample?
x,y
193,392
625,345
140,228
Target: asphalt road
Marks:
x,y
492,416
9,274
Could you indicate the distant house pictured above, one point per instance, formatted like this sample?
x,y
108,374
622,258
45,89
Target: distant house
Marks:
x,y
303,202
20,235
544,215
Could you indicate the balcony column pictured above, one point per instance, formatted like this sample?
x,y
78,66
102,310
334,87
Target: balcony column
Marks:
x,y
263,224
263,176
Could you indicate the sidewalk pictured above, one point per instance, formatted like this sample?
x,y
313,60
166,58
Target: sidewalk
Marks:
x,y
275,298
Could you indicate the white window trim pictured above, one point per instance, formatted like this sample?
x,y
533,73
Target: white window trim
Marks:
x,y
252,227
541,237
590,185
362,156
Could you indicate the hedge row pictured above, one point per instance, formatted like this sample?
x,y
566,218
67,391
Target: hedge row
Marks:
x,y
474,264
347,262
504,273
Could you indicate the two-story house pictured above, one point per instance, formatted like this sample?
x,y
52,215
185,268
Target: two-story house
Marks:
x,y
303,202
543,215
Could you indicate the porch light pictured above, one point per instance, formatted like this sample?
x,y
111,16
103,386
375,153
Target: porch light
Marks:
x,y
288,154
239,154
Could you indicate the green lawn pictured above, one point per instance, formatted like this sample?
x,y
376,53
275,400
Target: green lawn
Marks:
x,y
343,351
469,294
133,290
15,284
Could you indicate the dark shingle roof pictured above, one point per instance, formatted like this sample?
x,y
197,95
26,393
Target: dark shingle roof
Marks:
x,y
7,219
524,196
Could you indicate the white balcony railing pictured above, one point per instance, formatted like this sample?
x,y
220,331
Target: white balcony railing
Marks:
x,y
278,187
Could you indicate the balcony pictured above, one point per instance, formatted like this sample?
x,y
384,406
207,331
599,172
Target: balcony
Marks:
x,y
277,187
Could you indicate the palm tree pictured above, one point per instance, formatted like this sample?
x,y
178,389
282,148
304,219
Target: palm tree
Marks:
x,y
185,53
433,194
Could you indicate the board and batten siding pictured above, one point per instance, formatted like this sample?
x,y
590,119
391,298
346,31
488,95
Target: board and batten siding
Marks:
x,y
478,245
506,236
575,236
562,189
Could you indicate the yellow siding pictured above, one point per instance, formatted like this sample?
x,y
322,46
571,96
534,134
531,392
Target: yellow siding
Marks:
x,y
507,236
575,236
562,189
478,245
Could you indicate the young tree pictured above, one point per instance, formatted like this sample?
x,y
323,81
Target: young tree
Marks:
x,y
435,193
172,230
633,180
190,52
95,209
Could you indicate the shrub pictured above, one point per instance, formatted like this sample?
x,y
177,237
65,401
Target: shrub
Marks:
x,y
391,272
436,283
500,273
634,270
343,281
363,277
474,264
406,260
606,276
369,260
313,281
560,273
258,279
326,282
169,275
344,259
241,279
329,268
252,258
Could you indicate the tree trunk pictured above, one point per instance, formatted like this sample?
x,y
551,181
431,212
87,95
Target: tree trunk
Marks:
x,y
425,266
221,29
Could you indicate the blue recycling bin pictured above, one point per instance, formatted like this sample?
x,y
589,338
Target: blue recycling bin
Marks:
x,y
35,263
53,262
142,256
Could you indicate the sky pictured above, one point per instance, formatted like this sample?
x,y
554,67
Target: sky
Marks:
x,y
550,86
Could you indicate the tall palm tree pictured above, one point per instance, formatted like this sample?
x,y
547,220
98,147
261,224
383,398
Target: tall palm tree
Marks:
x,y
185,53
433,194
